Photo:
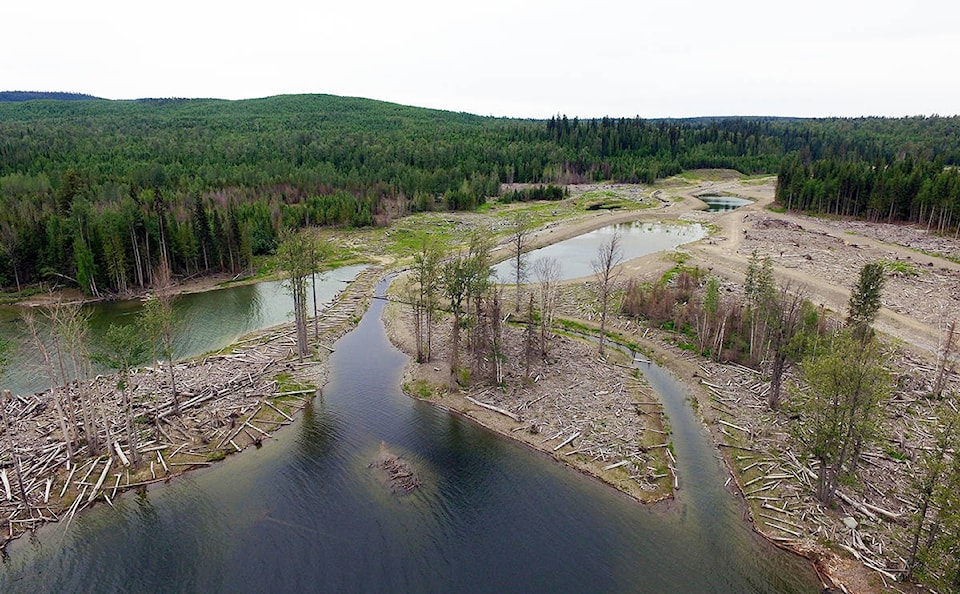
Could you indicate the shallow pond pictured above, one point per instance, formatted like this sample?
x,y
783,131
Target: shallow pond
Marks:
x,y
576,255
206,321
723,203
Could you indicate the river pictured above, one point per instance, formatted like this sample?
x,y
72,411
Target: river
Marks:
x,y
305,513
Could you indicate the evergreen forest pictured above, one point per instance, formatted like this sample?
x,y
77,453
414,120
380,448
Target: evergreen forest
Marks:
x,y
96,193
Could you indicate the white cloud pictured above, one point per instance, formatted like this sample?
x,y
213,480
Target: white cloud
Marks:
x,y
534,58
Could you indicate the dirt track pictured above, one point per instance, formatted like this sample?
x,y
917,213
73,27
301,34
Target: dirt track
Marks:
x,y
825,257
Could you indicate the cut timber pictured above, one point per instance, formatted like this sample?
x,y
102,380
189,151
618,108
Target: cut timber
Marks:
x,y
885,513
295,392
285,415
722,422
567,440
858,506
495,409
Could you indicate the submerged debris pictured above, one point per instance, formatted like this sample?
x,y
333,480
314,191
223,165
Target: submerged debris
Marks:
x,y
399,474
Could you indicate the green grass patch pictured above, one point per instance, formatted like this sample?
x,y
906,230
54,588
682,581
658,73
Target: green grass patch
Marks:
x,y
286,383
900,268
421,389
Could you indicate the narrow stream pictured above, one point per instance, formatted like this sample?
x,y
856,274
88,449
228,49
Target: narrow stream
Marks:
x,y
305,513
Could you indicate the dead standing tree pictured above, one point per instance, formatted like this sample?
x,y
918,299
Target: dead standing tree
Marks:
x,y
426,271
784,325
122,348
520,228
158,318
57,389
11,444
548,272
70,324
609,256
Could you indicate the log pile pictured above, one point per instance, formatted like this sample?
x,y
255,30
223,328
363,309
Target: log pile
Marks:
x,y
228,401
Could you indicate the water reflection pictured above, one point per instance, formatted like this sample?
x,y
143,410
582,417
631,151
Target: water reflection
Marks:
x,y
205,322
305,513
723,203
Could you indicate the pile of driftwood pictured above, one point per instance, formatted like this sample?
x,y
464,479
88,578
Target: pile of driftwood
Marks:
x,y
228,401
400,476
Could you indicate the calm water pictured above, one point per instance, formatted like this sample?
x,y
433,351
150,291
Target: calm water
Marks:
x,y
576,254
207,321
723,203
305,513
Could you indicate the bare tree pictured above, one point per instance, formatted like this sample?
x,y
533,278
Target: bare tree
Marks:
x,y
945,364
520,228
426,271
548,272
319,251
69,326
56,388
122,348
8,434
785,323
158,317
609,256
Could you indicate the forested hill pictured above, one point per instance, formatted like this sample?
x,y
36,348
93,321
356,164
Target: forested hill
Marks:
x,y
31,95
97,191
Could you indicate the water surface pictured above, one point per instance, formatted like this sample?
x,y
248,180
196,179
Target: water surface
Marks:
x,y
206,321
305,513
723,203
576,255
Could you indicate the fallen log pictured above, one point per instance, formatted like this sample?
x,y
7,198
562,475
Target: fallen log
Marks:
x,y
567,440
495,409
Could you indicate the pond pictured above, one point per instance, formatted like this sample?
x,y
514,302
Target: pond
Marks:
x,y
576,255
723,203
306,513
206,321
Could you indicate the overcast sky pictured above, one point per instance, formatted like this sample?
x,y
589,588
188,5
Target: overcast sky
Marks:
x,y
518,58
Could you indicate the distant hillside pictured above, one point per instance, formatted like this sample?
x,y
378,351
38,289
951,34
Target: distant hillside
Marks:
x,y
31,95
98,190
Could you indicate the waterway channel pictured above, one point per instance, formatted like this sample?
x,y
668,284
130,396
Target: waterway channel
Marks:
x,y
306,513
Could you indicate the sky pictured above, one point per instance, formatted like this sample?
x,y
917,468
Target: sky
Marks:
x,y
513,58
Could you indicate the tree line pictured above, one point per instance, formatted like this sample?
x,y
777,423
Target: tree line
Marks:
x,y
96,193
